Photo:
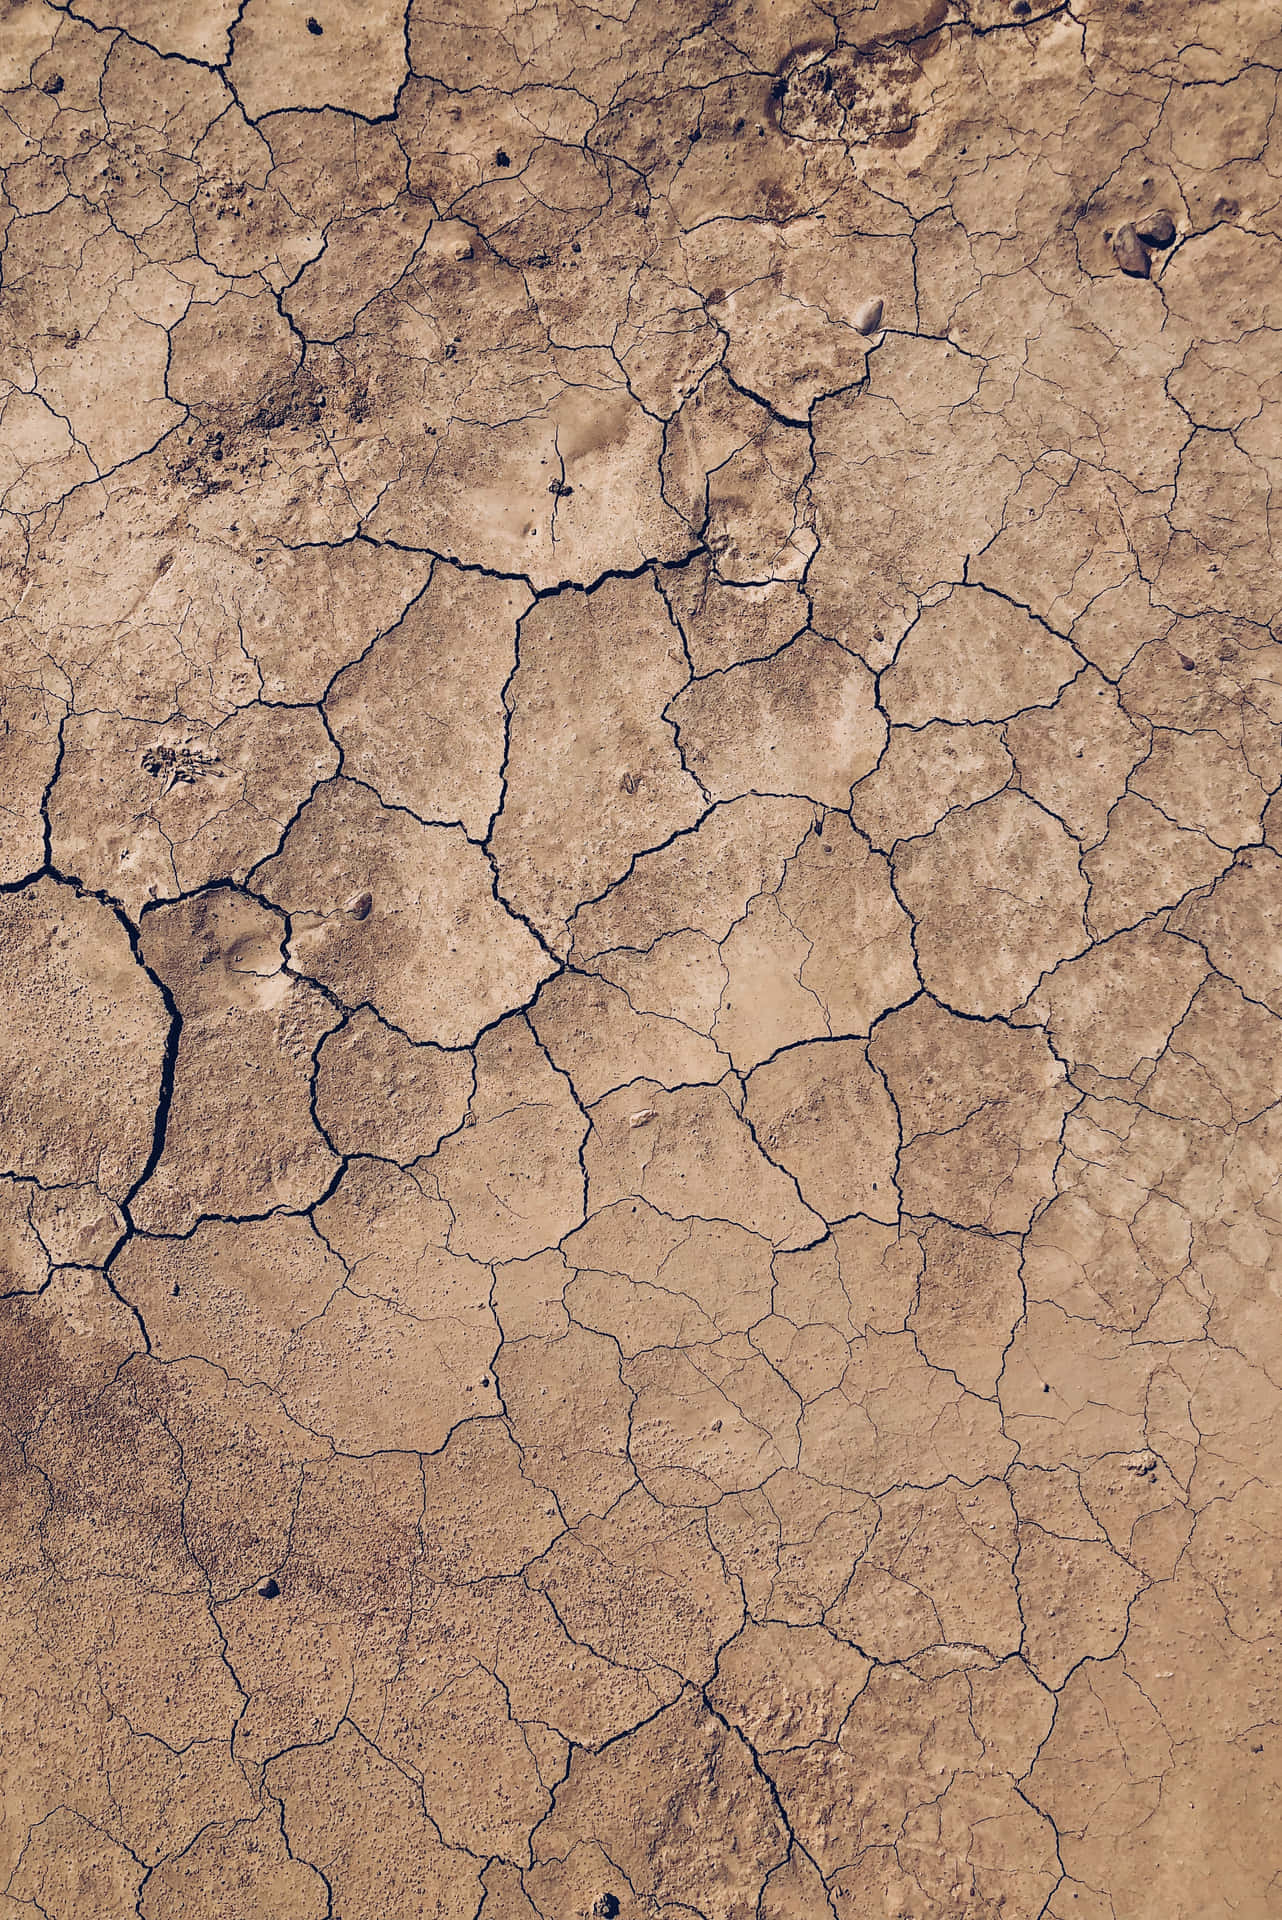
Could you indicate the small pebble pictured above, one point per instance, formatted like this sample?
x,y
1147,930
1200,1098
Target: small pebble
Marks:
x,y
1157,228
642,1117
267,1589
359,905
868,317
1129,254
314,26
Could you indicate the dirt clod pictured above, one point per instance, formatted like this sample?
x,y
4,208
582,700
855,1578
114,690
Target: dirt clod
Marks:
x,y
1129,254
1156,229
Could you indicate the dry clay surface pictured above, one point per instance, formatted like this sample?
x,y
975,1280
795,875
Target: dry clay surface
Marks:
x,y
640,960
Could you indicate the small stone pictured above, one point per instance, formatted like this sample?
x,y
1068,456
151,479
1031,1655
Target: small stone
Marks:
x,y
54,84
1156,228
642,1117
314,26
607,1906
1129,254
868,317
359,905
267,1589
1021,9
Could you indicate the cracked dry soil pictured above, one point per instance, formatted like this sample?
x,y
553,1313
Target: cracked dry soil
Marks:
x,y
641,958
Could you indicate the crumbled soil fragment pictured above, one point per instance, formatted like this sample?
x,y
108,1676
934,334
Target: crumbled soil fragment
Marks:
x,y
183,764
640,960
1129,252
1156,229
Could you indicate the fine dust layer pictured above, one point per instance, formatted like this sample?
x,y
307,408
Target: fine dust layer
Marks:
x,y
640,960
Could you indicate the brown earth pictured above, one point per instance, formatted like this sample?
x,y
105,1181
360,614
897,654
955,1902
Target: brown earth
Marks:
x,y
641,941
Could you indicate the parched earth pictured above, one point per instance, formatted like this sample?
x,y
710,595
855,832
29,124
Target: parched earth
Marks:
x,y
640,960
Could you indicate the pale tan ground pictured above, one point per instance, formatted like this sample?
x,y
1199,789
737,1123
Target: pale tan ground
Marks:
x,y
640,960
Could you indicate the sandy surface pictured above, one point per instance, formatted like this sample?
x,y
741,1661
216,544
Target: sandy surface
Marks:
x,y
640,960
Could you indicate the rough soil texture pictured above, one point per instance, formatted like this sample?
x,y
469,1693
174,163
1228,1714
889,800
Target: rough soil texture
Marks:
x,y
640,960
